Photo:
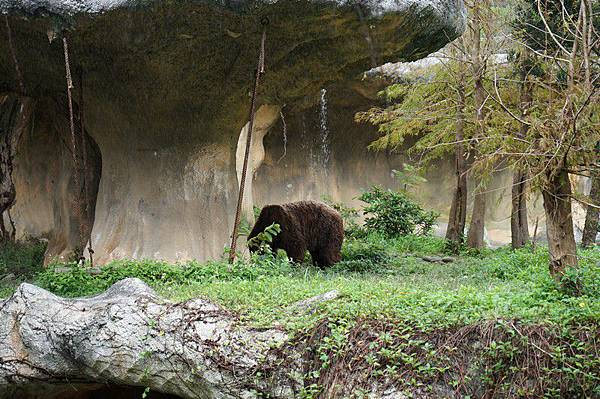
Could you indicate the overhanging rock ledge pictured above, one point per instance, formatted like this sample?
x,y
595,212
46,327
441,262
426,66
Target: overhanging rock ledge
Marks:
x,y
166,97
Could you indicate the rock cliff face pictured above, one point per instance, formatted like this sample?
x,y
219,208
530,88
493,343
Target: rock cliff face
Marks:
x,y
166,99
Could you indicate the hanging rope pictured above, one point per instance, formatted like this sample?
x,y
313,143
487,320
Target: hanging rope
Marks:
x,y
260,70
78,210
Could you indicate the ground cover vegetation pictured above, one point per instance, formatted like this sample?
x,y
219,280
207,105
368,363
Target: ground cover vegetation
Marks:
x,y
490,323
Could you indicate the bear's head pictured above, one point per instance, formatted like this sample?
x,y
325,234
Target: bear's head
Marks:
x,y
268,215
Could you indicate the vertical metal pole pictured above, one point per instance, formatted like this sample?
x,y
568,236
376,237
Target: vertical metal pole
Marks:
x,y
260,69
87,216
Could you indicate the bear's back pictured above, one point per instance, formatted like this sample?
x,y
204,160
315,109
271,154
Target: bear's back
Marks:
x,y
314,216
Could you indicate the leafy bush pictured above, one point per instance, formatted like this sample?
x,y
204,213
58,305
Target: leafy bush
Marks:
x,y
23,257
362,256
262,241
394,213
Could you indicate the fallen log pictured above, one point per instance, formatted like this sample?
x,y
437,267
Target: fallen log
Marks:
x,y
128,336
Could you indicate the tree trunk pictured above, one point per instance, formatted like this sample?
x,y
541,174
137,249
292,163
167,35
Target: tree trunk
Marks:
x,y
590,230
458,210
559,224
59,348
518,219
475,238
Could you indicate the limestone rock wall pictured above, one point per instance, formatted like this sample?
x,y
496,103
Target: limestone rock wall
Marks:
x,y
167,94
50,202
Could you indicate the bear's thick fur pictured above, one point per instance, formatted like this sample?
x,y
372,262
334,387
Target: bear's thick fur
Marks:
x,y
305,225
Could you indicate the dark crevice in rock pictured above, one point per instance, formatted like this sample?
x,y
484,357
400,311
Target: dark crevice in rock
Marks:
x,y
87,391
15,114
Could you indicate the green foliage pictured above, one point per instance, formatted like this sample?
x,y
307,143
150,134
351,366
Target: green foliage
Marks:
x,y
378,277
362,256
245,228
24,257
78,281
409,176
412,243
417,112
394,213
496,358
262,241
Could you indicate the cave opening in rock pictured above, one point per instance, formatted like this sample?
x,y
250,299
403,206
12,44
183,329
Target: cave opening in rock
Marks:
x,y
91,391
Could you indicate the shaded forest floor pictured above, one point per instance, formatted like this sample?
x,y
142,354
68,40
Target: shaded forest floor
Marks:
x,y
487,324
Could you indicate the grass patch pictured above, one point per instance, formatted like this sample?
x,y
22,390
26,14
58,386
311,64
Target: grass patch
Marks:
x,y
490,323
378,278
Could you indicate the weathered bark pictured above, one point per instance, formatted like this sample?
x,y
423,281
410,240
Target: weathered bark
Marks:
x,y
559,224
590,230
129,336
475,237
458,210
519,226
518,218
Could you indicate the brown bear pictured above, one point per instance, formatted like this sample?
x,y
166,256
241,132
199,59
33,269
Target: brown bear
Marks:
x,y
305,225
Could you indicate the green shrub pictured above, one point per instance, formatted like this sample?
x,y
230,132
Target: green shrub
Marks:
x,y
261,243
362,256
22,258
394,213
78,281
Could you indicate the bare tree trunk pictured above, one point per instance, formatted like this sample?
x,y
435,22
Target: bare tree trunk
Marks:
x,y
559,224
477,226
590,230
519,226
458,210
475,237
518,217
